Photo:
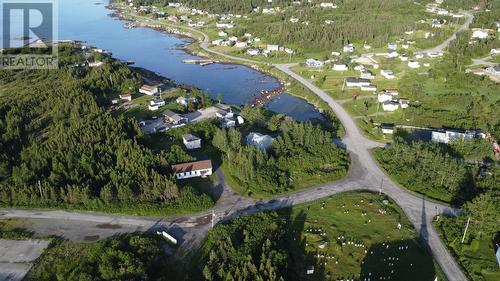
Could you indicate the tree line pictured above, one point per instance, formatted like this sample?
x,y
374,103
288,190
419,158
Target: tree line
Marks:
x,y
61,147
299,153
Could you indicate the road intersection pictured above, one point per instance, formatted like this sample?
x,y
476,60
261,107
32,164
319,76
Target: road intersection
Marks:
x,y
364,174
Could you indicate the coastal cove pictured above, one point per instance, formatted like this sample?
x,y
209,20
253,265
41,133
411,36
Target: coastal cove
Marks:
x,y
163,53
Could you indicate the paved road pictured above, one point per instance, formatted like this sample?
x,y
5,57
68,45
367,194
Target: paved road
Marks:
x,y
483,61
446,43
364,174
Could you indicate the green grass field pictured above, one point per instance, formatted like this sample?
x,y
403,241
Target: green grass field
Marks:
x,y
14,229
477,257
356,236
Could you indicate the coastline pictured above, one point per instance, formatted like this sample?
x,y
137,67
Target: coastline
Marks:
x,y
191,40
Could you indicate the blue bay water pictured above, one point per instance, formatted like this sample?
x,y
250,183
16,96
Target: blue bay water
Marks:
x,y
83,20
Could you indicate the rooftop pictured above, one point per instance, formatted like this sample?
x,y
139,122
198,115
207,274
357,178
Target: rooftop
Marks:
x,y
190,137
192,166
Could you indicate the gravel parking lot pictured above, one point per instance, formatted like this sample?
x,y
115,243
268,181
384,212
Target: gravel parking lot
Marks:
x,y
16,257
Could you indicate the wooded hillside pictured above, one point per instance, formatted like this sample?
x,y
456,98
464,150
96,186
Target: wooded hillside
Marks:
x,y
59,145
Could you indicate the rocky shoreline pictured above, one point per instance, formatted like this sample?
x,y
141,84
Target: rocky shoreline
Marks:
x,y
259,100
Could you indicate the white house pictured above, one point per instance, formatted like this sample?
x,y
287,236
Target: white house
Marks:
x,y
240,120
149,89
294,20
437,23
328,5
96,63
366,74
221,113
480,34
387,129
403,58
392,54
448,135
222,34
253,52
357,82
404,103
392,46
259,140
186,100
384,96
127,97
434,54
493,70
153,107
368,88
224,25
367,47
390,106
241,44
414,64
314,63
495,51
233,39
387,73
340,66
173,118
191,141
157,102
349,48
359,67
228,123
310,270
217,42
192,169
273,48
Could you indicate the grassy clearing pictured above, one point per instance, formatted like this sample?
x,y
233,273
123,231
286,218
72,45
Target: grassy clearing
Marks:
x,y
356,236
476,256
14,229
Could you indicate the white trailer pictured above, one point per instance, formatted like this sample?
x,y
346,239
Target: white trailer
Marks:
x,y
168,236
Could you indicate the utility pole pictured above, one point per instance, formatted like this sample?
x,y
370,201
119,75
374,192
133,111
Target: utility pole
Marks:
x,y
40,188
465,231
213,218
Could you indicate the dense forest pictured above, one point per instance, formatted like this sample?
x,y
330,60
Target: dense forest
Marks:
x,y
371,21
481,238
60,146
469,4
300,153
127,257
439,171
248,248
435,170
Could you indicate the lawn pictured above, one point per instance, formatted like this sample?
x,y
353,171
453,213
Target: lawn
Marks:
x,y
14,229
356,236
476,256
